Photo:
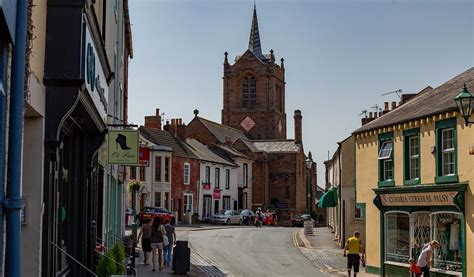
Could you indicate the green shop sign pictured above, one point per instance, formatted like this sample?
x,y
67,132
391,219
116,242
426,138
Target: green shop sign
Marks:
x,y
123,147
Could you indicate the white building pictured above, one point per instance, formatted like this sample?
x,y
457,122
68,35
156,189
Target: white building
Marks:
x,y
218,181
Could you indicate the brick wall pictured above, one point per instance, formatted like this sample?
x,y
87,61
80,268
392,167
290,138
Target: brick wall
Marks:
x,y
177,184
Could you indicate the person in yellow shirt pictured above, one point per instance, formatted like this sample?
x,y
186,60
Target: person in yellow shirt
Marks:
x,y
351,250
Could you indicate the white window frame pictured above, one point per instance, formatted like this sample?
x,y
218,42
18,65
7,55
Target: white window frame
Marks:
x,y
217,177
447,151
383,148
227,179
186,174
186,202
207,174
413,157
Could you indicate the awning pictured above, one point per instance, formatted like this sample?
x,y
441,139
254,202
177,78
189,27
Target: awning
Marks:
x,y
328,199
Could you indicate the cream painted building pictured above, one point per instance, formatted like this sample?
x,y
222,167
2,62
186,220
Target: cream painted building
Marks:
x,y
415,174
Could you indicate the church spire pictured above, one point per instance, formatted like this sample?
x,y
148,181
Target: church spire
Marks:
x,y
254,41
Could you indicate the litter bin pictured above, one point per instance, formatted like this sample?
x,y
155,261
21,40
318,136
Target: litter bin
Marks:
x,y
308,227
181,257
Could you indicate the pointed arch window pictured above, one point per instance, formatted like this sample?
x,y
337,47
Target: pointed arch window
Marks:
x,y
249,92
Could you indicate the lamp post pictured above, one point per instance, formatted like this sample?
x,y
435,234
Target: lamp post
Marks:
x,y
309,166
465,102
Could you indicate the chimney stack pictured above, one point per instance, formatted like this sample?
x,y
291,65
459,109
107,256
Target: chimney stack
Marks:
x,y
394,105
176,128
298,128
153,121
371,117
386,109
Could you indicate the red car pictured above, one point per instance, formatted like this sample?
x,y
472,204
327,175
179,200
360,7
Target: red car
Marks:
x,y
152,212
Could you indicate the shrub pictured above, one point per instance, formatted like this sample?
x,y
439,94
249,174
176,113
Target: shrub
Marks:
x,y
106,265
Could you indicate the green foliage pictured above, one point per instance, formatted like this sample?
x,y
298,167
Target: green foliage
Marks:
x,y
111,263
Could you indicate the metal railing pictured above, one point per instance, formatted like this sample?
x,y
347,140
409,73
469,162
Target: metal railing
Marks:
x,y
73,259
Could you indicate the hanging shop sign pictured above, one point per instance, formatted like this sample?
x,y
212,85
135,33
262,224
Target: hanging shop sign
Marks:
x,y
8,16
442,198
144,156
217,193
96,83
123,147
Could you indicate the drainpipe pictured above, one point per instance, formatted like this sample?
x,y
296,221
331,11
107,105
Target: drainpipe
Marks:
x,y
13,201
342,231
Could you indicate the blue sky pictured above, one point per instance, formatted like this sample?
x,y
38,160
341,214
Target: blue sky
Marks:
x,y
340,56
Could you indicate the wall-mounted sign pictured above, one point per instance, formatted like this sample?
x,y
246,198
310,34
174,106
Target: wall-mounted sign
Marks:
x,y
8,15
442,198
217,193
123,147
96,82
247,123
144,156
206,185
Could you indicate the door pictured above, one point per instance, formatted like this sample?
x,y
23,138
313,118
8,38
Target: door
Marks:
x,y
216,206
207,207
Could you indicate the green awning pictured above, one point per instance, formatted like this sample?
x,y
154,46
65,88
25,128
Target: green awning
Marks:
x,y
328,199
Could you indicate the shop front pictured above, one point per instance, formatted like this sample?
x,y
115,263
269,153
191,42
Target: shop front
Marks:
x,y
415,215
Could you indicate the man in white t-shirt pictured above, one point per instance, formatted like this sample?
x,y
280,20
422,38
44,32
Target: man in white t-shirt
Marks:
x,y
425,258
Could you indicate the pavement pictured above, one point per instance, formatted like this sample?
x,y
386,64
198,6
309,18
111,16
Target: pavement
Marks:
x,y
324,253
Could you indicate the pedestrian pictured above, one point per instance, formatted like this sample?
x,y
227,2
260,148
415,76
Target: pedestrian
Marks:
x,y
171,234
145,235
157,233
352,250
259,217
415,271
426,257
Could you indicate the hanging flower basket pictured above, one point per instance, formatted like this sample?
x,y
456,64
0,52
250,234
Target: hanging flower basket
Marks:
x,y
134,185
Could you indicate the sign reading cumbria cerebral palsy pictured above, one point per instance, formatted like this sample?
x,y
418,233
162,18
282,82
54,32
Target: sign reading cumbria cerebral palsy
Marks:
x,y
442,198
123,147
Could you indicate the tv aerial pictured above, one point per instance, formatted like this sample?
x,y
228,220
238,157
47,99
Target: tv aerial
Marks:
x,y
364,112
398,91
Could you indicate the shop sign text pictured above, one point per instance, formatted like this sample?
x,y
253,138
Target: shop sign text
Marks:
x,y
444,198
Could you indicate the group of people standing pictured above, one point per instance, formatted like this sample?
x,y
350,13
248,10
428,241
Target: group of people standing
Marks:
x,y
267,218
158,237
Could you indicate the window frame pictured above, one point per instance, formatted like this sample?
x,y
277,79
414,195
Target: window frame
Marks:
x,y
207,174
186,165
245,174
158,175
227,179
441,127
186,203
408,135
382,181
217,177
167,174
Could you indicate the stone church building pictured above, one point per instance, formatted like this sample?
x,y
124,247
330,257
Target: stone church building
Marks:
x,y
254,123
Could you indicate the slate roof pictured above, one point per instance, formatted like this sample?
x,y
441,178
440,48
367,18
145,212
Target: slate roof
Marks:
x,y
221,132
273,146
161,137
204,153
426,103
232,151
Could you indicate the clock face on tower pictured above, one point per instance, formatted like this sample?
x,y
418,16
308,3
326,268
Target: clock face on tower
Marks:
x,y
247,123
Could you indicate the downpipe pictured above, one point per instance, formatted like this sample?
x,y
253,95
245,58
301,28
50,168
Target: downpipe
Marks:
x,y
13,201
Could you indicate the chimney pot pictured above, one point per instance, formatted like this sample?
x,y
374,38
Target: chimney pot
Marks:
x,y
371,115
394,105
385,107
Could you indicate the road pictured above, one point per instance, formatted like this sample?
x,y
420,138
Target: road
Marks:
x,y
268,251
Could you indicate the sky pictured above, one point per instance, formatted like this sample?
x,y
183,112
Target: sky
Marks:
x,y
340,56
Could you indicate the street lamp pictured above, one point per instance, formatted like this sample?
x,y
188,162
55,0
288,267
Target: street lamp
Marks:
x,y
309,165
465,100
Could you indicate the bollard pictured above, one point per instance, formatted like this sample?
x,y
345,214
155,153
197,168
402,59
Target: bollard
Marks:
x,y
181,257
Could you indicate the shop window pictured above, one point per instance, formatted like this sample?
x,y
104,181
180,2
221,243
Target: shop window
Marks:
x,y
397,237
186,172
447,230
385,158
412,157
446,160
217,177
421,232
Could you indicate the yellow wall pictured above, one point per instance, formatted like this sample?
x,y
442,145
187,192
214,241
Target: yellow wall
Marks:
x,y
367,177
39,41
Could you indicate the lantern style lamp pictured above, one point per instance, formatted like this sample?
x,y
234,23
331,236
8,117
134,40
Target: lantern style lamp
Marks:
x,y
309,161
465,100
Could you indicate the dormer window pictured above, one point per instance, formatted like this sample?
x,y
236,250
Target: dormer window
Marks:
x,y
249,92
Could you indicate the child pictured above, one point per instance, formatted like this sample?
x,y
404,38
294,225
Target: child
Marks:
x,y
415,271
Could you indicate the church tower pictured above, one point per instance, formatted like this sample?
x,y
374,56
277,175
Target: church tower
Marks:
x,y
254,91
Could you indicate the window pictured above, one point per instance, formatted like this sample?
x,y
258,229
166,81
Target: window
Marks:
x,y
249,92
133,172
217,177
397,237
188,203
167,200
187,170
208,175
158,169
226,202
359,212
447,230
157,199
386,160
446,159
227,179
246,175
412,157
142,173
167,169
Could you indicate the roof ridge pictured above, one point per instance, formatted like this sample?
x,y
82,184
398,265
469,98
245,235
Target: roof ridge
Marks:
x,y
221,125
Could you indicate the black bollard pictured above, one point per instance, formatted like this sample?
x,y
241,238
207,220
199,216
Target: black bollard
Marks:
x,y
181,257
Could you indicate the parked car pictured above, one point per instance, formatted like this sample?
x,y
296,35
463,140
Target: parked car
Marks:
x,y
299,220
227,217
248,217
152,212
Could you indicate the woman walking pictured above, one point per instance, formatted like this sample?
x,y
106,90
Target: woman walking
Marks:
x,y
145,235
157,232
171,233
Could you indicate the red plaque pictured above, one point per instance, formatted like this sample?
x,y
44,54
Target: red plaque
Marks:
x,y
217,194
206,185
144,156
